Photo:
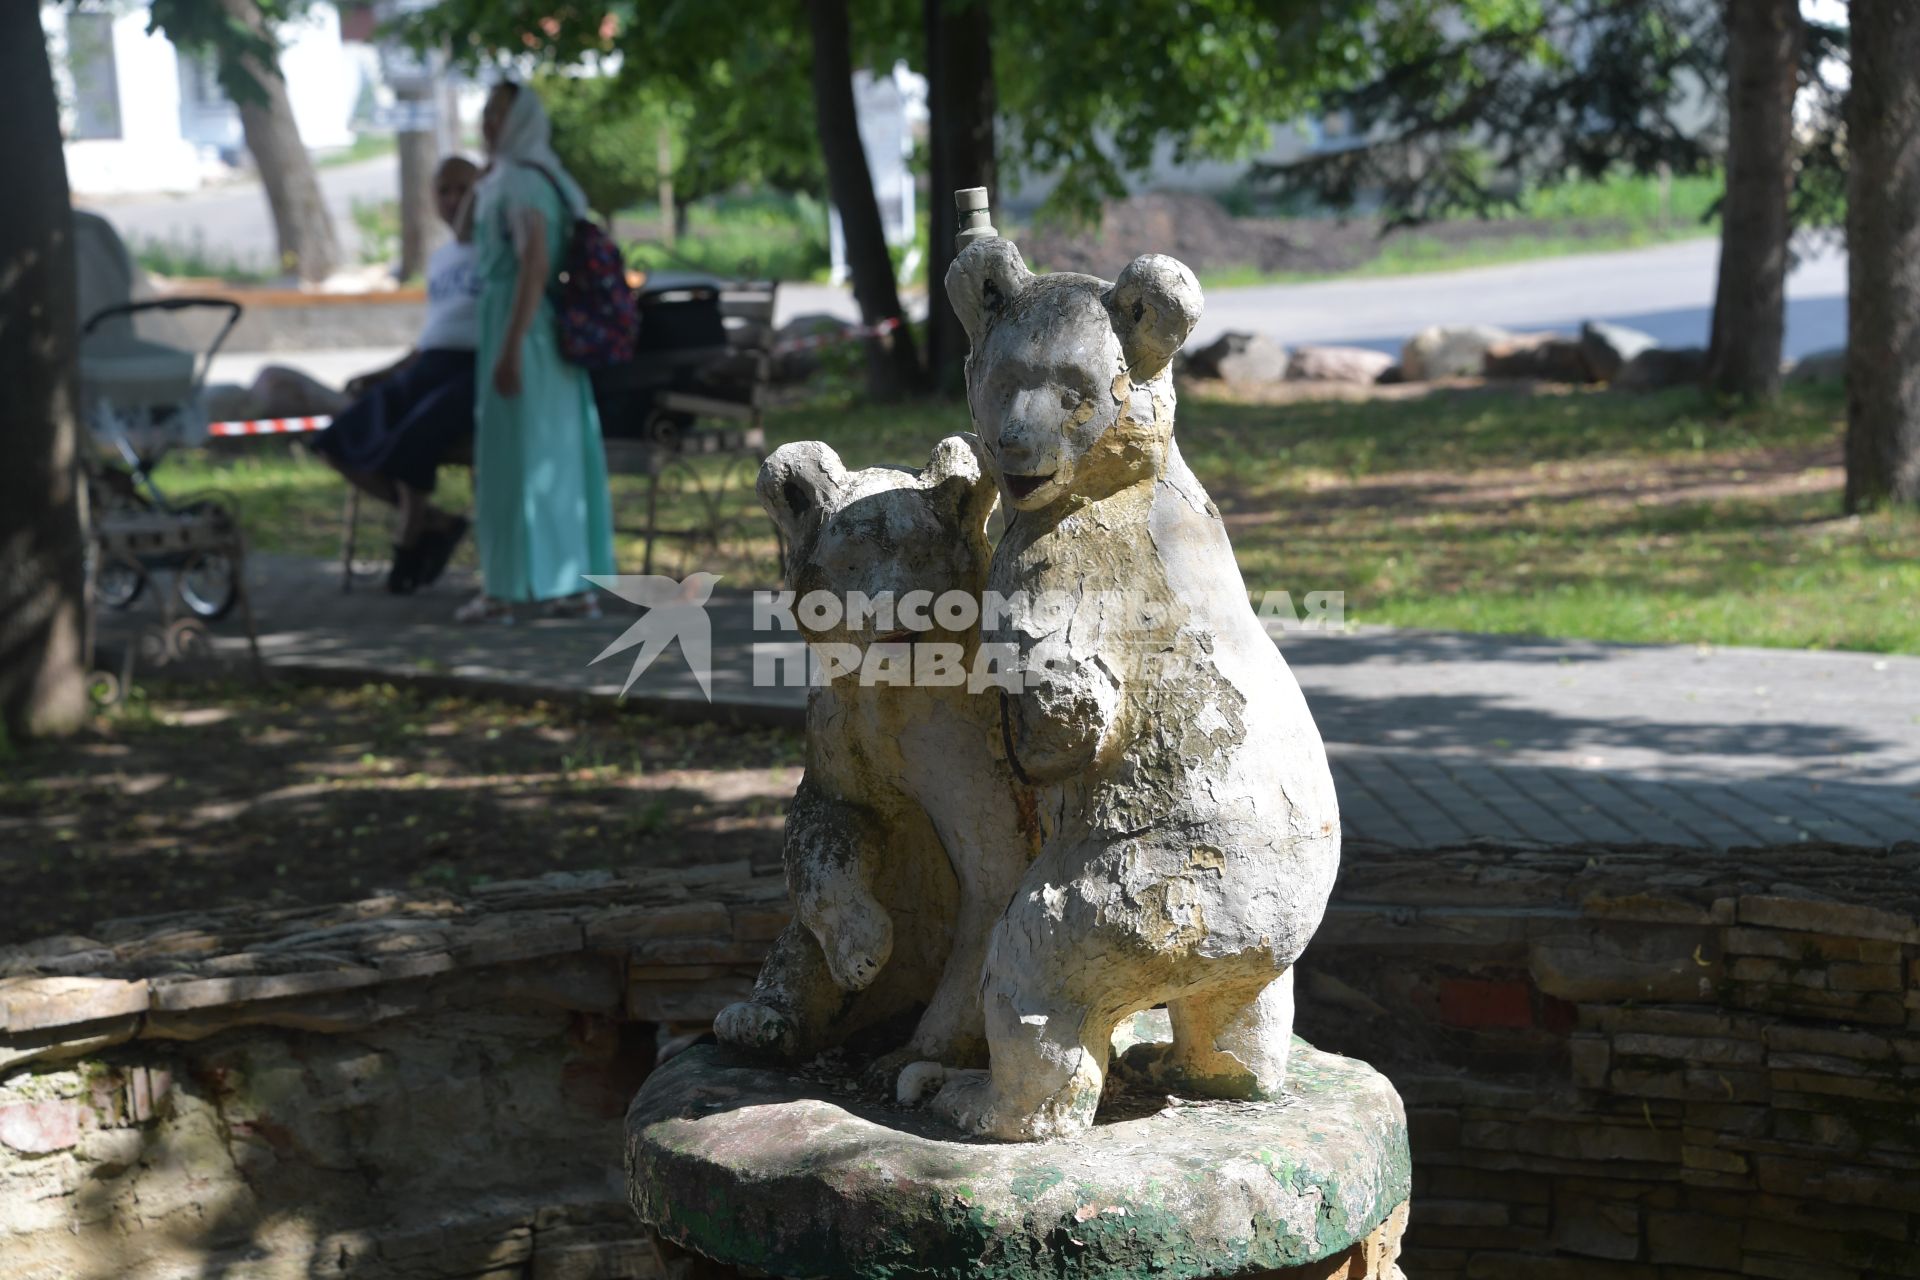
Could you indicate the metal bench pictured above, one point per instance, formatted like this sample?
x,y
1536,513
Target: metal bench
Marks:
x,y
734,382
655,414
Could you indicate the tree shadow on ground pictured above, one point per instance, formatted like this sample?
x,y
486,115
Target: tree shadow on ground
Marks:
x,y
267,793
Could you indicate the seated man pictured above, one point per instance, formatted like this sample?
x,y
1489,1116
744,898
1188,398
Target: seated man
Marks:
x,y
404,420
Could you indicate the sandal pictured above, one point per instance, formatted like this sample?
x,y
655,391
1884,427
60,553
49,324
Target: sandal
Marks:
x,y
484,608
436,548
585,605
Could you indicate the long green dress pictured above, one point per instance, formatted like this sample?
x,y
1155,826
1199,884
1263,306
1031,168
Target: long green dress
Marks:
x,y
543,516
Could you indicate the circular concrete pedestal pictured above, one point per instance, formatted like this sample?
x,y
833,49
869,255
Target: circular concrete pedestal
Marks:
x,y
766,1173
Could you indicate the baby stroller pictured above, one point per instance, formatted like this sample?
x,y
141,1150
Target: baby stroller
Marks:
x,y
139,399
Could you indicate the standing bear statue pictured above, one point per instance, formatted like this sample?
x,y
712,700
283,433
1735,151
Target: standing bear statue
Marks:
x,y
1188,825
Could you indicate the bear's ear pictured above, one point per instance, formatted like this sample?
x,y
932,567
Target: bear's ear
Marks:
x,y
798,483
1154,304
955,473
982,281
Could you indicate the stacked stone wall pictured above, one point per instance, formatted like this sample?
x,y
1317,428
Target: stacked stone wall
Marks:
x,y
1623,1065
1641,1065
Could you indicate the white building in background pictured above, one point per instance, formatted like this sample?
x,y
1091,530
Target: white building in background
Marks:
x,y
889,109
140,115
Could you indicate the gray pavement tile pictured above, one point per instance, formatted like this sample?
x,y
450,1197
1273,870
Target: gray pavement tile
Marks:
x,y
1792,804
1434,782
1426,822
1615,811
1499,786
1608,812
1434,737
1364,813
1706,809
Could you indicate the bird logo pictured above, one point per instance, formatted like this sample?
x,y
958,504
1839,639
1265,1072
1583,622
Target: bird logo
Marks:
x,y
674,611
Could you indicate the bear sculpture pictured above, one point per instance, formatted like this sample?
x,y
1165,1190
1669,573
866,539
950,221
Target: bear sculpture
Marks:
x,y
903,842
1189,829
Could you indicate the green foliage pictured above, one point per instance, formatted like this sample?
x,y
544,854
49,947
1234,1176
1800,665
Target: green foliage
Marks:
x,y
608,137
1086,91
731,83
1089,91
237,46
378,222
193,259
1463,105
764,237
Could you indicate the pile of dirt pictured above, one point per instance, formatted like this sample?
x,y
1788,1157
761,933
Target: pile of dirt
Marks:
x,y
1196,230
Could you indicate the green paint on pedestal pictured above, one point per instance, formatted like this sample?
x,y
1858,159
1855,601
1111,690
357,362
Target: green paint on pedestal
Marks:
x,y
757,1168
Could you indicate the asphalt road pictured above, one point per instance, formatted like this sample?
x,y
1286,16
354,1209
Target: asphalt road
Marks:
x,y
1666,291
231,222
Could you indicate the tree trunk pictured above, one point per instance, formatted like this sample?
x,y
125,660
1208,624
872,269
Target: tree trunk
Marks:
x,y
43,610
961,102
301,223
1764,38
663,166
1883,256
894,367
419,219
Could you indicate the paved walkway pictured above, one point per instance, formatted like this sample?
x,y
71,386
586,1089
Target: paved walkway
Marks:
x,y
1436,737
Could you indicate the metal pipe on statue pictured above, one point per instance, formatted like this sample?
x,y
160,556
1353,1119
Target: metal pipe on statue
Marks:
x,y
975,218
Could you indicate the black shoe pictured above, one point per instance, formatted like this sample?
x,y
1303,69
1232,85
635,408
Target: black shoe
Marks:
x,y
436,548
404,577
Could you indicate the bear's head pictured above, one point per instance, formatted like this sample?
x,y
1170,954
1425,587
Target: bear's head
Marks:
x,y
884,532
1068,376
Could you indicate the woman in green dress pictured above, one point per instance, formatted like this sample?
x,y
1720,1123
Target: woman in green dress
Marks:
x,y
542,517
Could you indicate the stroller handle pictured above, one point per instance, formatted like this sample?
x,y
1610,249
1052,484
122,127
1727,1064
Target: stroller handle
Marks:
x,y
233,309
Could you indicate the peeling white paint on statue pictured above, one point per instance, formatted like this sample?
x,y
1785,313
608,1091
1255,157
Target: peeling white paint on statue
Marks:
x,y
1144,816
904,841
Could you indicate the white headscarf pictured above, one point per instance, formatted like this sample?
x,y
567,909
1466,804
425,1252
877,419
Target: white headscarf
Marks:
x,y
526,139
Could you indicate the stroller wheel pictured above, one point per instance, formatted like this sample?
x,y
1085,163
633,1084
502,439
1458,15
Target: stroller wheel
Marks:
x,y
118,582
207,584
188,639
104,688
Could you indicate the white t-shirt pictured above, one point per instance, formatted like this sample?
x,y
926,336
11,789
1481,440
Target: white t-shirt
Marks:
x,y
453,300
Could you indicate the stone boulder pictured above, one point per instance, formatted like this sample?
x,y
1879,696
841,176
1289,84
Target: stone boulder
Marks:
x,y
1608,347
1822,366
1240,360
1450,351
1337,364
1545,357
1658,368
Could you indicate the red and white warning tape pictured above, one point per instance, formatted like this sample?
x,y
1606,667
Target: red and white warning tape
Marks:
x,y
852,333
269,426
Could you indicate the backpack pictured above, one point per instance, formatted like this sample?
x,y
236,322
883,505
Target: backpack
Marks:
x,y
593,306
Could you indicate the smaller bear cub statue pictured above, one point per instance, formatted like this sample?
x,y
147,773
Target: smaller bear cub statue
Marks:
x,y
903,843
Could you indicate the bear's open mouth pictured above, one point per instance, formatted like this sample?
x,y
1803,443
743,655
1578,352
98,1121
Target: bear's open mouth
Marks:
x,y
1021,486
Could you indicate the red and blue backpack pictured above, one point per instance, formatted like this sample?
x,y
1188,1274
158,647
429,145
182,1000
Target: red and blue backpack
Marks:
x,y
593,306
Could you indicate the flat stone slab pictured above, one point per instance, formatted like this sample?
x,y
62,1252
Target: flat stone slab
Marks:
x,y
759,1169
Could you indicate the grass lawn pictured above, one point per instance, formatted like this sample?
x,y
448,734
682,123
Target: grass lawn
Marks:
x,y
1570,513
318,795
